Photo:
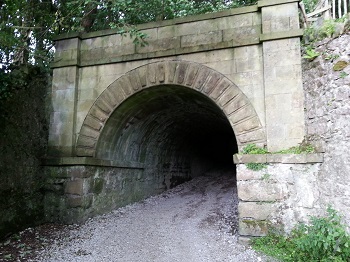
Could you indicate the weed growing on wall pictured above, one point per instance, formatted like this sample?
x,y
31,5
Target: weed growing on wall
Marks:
x,y
324,239
311,54
301,149
255,150
256,166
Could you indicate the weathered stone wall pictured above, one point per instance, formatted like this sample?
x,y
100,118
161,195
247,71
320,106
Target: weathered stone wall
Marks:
x,y
282,77
292,188
226,42
283,193
23,142
172,106
327,96
77,192
257,48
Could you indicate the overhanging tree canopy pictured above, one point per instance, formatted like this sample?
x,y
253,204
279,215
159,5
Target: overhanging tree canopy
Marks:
x,y
27,26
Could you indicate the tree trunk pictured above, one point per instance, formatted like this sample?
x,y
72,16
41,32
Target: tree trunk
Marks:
x,y
89,16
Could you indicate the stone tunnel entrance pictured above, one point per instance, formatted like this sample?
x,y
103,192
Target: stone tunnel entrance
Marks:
x,y
176,132
155,127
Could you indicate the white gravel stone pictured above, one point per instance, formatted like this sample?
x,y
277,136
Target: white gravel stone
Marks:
x,y
196,221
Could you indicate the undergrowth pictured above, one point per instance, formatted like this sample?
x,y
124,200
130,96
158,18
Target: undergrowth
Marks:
x,y
324,239
301,149
255,150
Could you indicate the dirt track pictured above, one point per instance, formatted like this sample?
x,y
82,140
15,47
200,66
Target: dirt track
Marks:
x,y
195,221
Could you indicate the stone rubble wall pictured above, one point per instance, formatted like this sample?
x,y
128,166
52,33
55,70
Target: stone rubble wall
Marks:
x,y
294,187
327,95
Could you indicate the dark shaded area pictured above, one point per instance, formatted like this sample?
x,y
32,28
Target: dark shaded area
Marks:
x,y
25,245
23,142
176,132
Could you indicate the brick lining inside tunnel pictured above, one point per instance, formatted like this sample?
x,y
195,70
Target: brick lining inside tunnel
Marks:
x,y
172,130
178,118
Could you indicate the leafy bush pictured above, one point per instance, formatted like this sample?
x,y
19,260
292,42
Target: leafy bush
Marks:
x,y
325,239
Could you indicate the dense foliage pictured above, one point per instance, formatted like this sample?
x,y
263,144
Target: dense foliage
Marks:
x,y
23,142
324,239
27,26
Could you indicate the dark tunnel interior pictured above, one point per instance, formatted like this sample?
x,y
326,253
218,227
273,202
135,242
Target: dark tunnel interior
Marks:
x,y
172,130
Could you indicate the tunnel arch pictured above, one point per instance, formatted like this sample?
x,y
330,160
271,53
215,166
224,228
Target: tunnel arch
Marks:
x,y
190,76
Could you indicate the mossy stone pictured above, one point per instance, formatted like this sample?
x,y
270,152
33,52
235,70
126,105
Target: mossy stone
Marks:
x,y
98,185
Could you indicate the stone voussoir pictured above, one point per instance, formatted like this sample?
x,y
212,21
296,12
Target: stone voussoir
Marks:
x,y
197,76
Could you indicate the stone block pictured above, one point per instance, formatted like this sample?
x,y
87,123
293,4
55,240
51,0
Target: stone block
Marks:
x,y
212,80
228,95
242,20
224,66
260,191
247,125
294,158
167,32
246,32
64,78
67,44
242,113
255,210
87,141
113,40
297,131
75,201
247,227
220,88
98,113
314,158
191,75
86,94
63,100
258,135
89,132
235,104
103,105
242,79
201,27
75,171
241,52
201,39
245,174
210,56
93,123
245,241
82,151
74,187
159,45
246,158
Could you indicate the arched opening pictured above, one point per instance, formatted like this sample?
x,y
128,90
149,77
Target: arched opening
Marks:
x,y
176,132
162,124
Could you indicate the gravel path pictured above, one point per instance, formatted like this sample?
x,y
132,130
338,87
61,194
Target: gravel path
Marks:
x,y
192,222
